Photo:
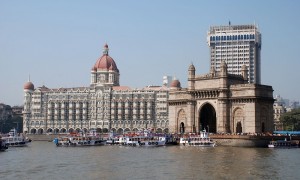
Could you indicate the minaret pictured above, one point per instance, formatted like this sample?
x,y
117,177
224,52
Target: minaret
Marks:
x,y
244,72
223,75
191,77
28,90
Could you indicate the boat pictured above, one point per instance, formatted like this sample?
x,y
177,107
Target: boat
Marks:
x,y
201,140
3,145
145,141
284,144
143,138
16,140
77,139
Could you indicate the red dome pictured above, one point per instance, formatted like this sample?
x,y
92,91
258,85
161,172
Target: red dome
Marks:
x,y
105,62
175,83
29,86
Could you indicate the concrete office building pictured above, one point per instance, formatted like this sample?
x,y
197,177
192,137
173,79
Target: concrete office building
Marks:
x,y
237,45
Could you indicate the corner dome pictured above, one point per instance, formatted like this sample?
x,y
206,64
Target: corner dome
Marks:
x,y
28,86
175,84
105,62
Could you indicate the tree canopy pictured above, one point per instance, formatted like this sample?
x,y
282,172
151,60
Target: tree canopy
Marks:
x,y
291,120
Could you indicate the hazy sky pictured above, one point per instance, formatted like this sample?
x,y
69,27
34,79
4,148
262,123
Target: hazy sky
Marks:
x,y
57,42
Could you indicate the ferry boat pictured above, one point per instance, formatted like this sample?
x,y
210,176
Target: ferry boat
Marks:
x,y
201,140
91,139
16,140
145,141
142,138
3,145
283,144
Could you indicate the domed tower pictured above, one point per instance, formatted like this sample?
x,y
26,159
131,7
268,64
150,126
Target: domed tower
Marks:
x,y
105,71
191,78
175,84
28,90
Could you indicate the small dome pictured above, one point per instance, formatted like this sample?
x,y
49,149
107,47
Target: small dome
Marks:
x,y
175,84
29,86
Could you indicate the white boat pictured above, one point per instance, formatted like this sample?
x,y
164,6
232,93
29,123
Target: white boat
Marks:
x,y
201,140
91,139
143,138
145,141
16,140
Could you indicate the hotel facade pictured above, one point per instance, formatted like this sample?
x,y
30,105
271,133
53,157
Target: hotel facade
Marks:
x,y
104,105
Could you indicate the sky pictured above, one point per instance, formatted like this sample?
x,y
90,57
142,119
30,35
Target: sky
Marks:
x,y
57,42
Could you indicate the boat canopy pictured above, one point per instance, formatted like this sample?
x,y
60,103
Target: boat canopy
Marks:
x,y
287,132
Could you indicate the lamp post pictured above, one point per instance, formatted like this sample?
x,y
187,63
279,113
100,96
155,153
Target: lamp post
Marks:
x,y
208,129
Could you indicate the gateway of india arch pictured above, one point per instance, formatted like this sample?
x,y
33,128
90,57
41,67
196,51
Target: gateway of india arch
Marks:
x,y
220,102
104,105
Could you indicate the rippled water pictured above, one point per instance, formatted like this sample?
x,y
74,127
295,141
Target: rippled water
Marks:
x,y
43,160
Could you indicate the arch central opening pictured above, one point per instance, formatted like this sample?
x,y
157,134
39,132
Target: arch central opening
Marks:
x,y
208,119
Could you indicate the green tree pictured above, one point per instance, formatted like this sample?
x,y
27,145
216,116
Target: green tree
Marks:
x,y
12,122
291,120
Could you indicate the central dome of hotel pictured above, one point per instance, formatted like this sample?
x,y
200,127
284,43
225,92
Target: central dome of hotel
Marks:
x,y
105,62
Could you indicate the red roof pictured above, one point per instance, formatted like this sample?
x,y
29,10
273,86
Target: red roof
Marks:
x,y
105,62
29,85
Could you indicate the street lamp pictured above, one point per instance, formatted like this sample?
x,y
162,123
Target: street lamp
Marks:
x,y
208,129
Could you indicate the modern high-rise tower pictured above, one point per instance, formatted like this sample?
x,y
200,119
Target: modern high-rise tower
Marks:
x,y
236,45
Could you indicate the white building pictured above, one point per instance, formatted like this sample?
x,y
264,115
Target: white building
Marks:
x,y
104,105
238,45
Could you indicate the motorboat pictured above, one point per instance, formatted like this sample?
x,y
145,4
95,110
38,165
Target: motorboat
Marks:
x,y
16,140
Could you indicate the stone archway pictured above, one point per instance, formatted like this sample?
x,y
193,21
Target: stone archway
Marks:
x,y
99,130
238,120
181,128
263,120
105,130
239,128
208,120
33,131
181,122
159,130
40,131
120,131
